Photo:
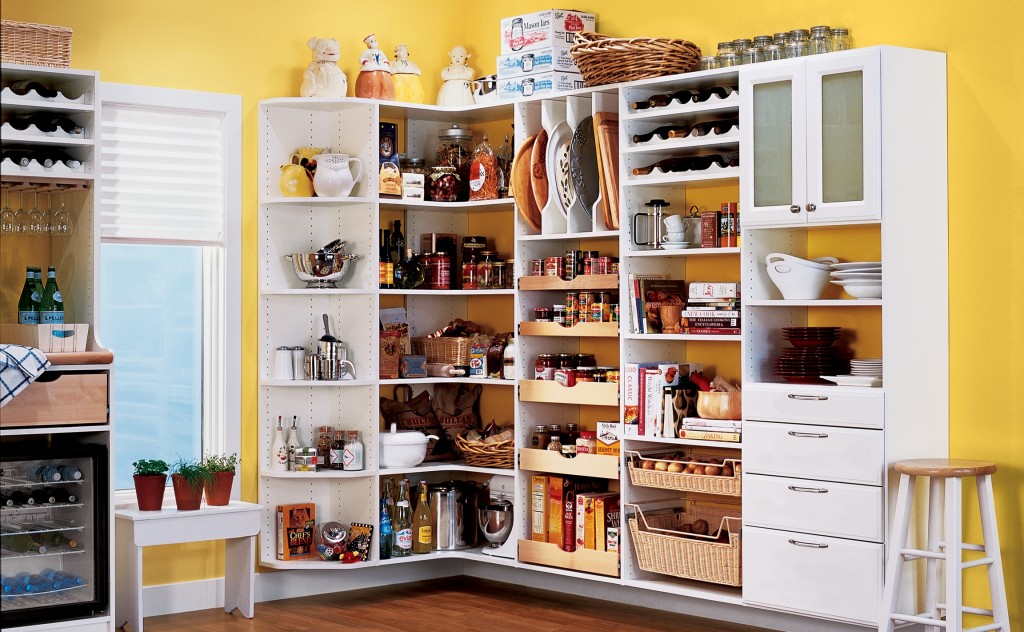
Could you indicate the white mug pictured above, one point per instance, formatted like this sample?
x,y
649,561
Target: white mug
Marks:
x,y
283,369
673,223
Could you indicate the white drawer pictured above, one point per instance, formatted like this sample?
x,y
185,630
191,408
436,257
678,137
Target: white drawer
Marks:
x,y
810,574
837,509
849,455
816,405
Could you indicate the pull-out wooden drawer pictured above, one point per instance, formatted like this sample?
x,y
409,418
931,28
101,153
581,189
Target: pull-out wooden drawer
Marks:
x,y
823,405
811,574
850,455
59,398
825,508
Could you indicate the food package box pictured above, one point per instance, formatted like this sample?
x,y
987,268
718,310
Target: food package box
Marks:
x,y
390,177
607,438
536,62
413,366
539,508
551,28
539,84
555,510
295,531
53,338
390,354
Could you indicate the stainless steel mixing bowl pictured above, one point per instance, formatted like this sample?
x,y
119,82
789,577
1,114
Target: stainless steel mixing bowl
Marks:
x,y
320,269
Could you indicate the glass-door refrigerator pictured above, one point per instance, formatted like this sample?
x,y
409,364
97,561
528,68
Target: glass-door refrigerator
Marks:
x,y
54,531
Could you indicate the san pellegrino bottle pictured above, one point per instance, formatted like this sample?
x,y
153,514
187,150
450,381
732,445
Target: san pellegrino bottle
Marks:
x,y
387,536
51,307
28,302
402,525
423,530
38,274
293,444
279,450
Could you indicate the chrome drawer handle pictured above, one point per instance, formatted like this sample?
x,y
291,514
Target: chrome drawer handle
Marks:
x,y
808,398
809,490
811,207
795,208
809,435
811,545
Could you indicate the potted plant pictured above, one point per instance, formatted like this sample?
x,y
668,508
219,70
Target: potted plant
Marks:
x,y
150,479
189,477
221,468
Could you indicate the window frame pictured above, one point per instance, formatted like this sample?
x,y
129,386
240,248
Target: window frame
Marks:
x,y
227,437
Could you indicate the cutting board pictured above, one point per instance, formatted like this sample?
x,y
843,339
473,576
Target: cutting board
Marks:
x,y
522,188
606,131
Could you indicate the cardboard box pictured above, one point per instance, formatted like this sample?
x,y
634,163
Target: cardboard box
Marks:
x,y
390,176
390,354
552,28
62,338
729,225
536,62
295,531
539,84
607,438
554,498
539,508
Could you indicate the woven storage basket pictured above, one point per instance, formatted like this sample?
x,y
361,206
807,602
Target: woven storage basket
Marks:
x,y
499,454
661,546
603,60
443,350
35,44
681,481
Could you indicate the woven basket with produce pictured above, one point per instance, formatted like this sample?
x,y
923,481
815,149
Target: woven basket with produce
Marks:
x,y
603,60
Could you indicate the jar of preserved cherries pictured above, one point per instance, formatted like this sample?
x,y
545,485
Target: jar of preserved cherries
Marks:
x,y
443,184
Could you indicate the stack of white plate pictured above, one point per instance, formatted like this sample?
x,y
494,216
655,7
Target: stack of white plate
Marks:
x,y
867,366
859,279
863,372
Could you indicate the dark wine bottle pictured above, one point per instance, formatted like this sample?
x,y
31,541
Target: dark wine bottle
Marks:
x,y
22,88
396,245
667,165
385,268
62,495
20,498
22,122
42,496
20,157
664,133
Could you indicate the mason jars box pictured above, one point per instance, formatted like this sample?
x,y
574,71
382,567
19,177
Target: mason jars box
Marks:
x,y
533,85
552,28
536,62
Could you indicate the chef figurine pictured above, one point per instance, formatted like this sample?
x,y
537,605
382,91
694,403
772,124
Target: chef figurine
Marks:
x,y
406,74
374,80
457,77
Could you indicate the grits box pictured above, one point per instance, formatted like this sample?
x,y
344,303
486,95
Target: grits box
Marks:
x,y
295,531
553,28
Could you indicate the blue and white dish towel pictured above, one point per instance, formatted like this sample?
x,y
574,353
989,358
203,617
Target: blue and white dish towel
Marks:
x,y
19,367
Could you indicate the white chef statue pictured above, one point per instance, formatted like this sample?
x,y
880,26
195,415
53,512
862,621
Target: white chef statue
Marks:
x,y
374,80
322,77
457,76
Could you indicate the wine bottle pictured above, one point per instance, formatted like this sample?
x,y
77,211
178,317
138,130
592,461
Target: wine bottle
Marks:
x,y
402,524
63,495
278,450
423,530
22,122
42,496
28,302
22,88
396,244
23,543
664,132
51,307
19,498
385,268
293,444
5,501
20,157
666,165
387,536
409,273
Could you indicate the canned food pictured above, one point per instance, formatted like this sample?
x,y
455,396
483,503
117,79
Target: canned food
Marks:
x,y
536,267
611,374
586,374
583,308
542,314
565,377
613,267
573,264
600,374
571,308
613,313
601,265
553,266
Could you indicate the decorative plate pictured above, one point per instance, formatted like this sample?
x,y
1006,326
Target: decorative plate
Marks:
x,y
583,166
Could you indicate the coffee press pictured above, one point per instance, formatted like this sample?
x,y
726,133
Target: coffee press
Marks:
x,y
647,225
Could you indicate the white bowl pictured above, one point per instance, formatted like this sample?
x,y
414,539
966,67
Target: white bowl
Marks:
x,y
820,263
796,281
403,449
861,289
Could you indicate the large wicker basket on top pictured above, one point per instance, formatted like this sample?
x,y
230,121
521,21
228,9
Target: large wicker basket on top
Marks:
x,y
35,44
603,60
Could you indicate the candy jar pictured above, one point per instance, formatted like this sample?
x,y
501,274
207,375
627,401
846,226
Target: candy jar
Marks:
x,y
406,75
457,88
374,80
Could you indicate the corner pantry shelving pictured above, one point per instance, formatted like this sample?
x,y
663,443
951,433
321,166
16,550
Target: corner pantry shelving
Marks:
x,y
864,171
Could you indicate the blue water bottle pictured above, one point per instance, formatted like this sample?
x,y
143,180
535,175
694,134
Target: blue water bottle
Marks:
x,y
48,473
69,473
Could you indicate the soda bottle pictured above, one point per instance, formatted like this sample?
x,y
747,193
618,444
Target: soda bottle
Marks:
x,y
387,535
423,530
28,302
402,525
51,307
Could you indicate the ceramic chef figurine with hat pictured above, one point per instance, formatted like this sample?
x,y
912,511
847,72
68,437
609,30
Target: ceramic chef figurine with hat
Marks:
x,y
406,74
374,80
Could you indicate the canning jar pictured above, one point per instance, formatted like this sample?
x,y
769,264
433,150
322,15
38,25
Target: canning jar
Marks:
x,y
485,269
839,39
819,40
544,368
454,149
499,276
443,184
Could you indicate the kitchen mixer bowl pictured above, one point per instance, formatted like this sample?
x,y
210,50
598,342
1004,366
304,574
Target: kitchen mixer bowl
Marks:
x,y
320,269
496,521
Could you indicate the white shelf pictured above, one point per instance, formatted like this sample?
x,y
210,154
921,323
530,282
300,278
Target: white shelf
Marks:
x,y
690,442
315,291
687,588
392,204
448,380
712,174
502,292
667,337
601,234
696,251
673,145
315,201
316,383
839,302
448,466
320,475
316,564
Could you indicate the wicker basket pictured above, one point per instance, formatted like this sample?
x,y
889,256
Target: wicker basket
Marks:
x,y
662,547
500,454
443,350
35,44
603,60
681,481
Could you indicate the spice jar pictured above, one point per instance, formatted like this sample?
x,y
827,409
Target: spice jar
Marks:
x,y
454,149
540,438
499,277
484,173
555,444
443,184
325,437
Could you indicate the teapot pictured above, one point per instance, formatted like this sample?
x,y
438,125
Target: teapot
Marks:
x,y
335,176
295,182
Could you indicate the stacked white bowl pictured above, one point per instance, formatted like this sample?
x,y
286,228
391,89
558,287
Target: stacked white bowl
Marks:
x,y
859,279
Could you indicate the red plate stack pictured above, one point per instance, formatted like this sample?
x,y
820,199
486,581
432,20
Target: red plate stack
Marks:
x,y
812,355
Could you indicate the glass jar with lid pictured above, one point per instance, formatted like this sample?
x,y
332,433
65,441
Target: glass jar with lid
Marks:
x,y
454,149
708,62
740,45
781,39
762,40
839,39
499,275
485,269
724,47
443,184
727,59
510,274
819,40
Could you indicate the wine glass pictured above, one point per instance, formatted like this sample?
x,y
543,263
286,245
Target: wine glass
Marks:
x,y
62,218
20,216
35,216
7,215
48,214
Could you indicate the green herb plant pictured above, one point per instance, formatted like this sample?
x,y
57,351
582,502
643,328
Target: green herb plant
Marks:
x,y
150,467
192,471
221,462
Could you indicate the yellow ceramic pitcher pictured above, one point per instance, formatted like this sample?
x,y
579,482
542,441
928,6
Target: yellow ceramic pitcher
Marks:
x,y
295,181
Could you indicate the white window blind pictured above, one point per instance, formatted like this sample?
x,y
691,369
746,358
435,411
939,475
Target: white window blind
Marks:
x,y
162,175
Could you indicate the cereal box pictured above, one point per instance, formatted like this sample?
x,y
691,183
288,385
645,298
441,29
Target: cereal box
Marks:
x,y
553,28
295,531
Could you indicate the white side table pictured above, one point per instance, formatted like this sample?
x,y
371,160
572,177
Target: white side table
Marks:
x,y
237,524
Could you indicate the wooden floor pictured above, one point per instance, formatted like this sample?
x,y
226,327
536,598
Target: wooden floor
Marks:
x,y
451,604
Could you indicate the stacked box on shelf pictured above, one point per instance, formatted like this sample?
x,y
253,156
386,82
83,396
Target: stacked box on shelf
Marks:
x,y
535,56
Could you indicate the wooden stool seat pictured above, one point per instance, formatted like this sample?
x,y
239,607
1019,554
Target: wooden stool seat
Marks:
x,y
945,468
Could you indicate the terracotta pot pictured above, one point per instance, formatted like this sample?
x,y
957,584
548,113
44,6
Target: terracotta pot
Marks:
x,y
187,497
149,491
218,490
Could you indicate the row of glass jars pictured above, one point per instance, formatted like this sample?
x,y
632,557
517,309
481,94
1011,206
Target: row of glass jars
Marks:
x,y
783,45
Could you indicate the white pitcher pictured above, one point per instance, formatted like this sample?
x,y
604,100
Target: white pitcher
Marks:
x,y
335,176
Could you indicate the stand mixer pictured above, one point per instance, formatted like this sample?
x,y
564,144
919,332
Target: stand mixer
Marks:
x,y
497,516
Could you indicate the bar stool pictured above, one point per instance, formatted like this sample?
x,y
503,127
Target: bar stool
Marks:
x,y
949,548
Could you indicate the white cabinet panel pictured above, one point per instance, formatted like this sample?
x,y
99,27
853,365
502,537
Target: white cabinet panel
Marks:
x,y
826,508
816,452
815,405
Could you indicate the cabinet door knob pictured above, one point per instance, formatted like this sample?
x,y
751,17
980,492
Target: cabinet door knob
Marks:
x,y
808,490
794,208
813,545
810,435
811,207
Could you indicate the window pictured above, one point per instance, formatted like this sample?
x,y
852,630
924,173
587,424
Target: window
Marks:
x,y
170,265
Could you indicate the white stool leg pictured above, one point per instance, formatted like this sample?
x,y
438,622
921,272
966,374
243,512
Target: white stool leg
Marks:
x,y
990,531
897,542
954,554
931,589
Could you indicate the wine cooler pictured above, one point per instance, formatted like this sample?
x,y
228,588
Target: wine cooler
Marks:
x,y
54,531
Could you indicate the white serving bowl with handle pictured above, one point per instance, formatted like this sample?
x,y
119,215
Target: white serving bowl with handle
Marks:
x,y
407,448
799,279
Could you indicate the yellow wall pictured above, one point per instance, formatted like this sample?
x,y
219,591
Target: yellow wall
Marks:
x,y
257,49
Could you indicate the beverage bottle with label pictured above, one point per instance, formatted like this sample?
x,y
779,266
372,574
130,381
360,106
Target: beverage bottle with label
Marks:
x,y
389,496
387,535
337,454
353,457
69,473
409,273
396,244
293,444
28,302
279,450
51,306
402,524
24,543
385,267
422,528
